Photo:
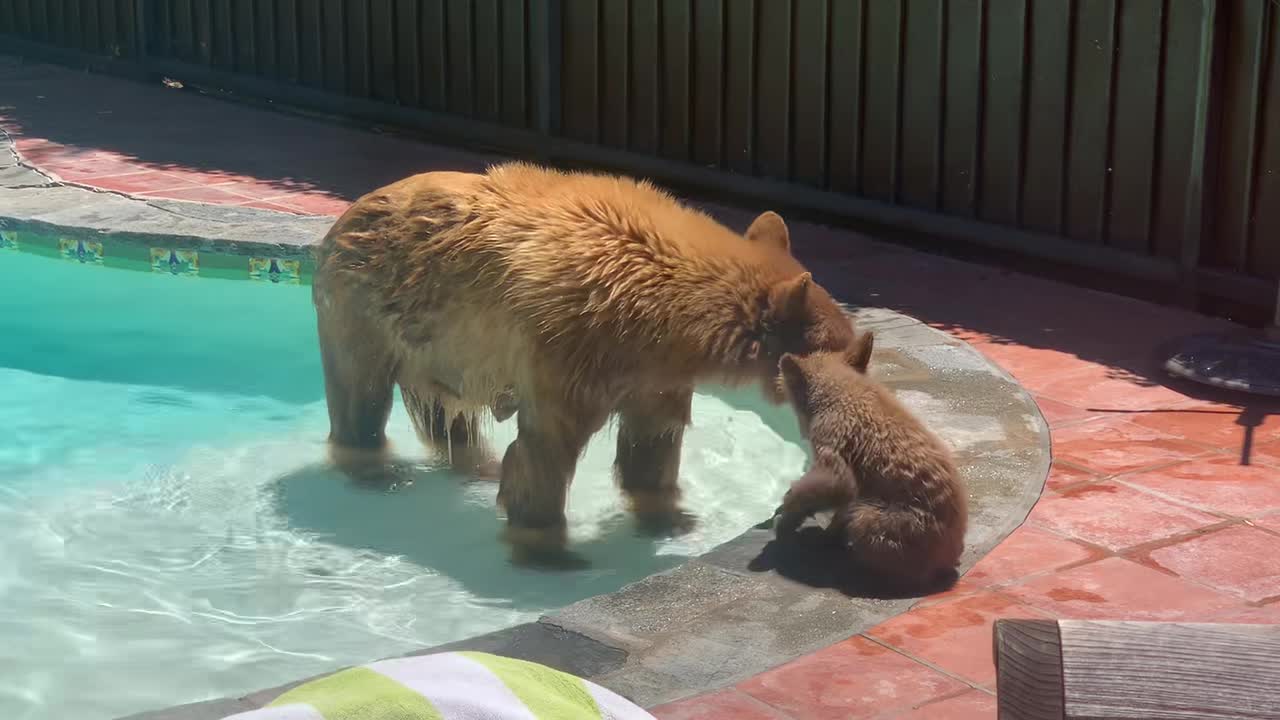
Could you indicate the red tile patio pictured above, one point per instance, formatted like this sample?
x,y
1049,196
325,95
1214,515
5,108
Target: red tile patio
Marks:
x,y
1163,502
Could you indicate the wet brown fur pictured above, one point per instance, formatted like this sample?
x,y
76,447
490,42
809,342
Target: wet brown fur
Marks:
x,y
564,298
900,505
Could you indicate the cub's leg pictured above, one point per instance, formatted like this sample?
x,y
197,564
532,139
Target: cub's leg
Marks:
x,y
457,438
817,490
650,435
536,471
359,372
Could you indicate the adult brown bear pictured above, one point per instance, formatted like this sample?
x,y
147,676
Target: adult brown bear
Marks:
x,y
563,297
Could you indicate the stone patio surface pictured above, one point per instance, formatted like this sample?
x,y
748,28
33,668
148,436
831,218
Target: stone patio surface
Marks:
x,y
1163,501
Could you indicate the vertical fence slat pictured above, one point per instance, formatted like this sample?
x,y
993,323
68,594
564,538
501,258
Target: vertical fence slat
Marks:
x,y
244,34
881,121
434,43
128,27
809,79
358,48
1182,64
54,14
963,117
1264,248
7,24
266,38
184,31
224,41
739,90
773,89
22,15
383,40
1002,122
311,45
921,103
645,83
488,56
333,42
202,20
108,27
289,49
845,121
515,64
580,109
1089,142
1134,120
160,29
1239,136
1047,108
708,81
676,64
75,25
614,75
461,59
408,85
38,19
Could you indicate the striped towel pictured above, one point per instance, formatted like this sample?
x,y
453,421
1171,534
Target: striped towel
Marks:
x,y
449,686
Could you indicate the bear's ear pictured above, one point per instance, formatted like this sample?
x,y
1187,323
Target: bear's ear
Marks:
x,y
858,354
788,298
771,230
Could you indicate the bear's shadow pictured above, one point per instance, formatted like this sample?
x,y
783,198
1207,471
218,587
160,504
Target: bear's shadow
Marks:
x,y
811,558
435,520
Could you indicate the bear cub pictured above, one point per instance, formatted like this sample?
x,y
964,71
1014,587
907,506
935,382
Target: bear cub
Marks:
x,y
900,506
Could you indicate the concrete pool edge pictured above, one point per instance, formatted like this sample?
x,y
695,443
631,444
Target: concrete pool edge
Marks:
x,y
711,621
31,201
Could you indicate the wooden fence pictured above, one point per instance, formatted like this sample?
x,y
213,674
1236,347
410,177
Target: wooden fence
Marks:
x,y
1140,136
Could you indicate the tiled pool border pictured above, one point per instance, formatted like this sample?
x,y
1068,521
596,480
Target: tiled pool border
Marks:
x,y
141,255
705,624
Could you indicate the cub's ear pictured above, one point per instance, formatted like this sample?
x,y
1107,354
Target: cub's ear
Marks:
x,y
770,229
787,298
858,354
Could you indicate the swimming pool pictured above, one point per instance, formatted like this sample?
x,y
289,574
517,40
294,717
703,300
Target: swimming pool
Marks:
x,y
170,530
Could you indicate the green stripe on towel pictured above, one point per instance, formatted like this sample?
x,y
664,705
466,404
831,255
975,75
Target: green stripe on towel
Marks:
x,y
549,694
358,694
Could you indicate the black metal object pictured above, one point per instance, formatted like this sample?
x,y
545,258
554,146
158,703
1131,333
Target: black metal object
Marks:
x,y
1244,363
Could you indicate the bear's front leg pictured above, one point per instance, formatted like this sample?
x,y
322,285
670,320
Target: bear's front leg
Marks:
x,y
359,379
536,471
650,435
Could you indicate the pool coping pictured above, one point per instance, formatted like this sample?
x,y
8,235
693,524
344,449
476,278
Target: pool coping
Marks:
x,y
708,623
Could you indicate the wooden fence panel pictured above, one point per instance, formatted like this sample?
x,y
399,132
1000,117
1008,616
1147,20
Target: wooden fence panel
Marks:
x,y
614,73
676,63
881,117
922,92
1264,245
962,123
1000,179
1048,101
739,89
1089,144
1150,127
1245,62
844,143
708,82
383,84
809,97
1134,123
645,83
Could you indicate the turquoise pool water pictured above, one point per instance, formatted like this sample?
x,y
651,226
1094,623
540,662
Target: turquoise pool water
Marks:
x,y
171,533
